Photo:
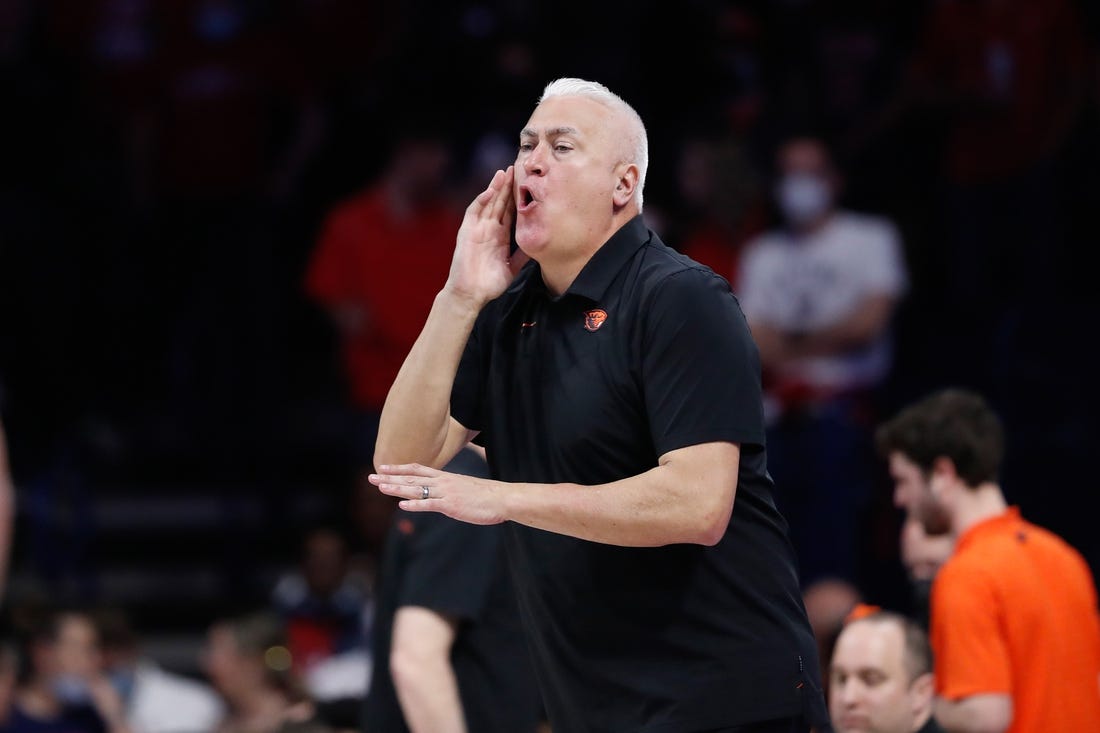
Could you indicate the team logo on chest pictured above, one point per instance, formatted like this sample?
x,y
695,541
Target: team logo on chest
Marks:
x,y
594,318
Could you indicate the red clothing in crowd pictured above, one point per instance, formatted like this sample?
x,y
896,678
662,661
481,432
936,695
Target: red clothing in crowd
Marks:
x,y
390,266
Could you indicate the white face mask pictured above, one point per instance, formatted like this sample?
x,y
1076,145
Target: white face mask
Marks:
x,y
803,197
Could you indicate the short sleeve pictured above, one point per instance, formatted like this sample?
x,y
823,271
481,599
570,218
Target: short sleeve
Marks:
x,y
700,366
452,568
970,651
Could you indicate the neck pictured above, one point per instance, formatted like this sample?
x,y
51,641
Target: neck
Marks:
x,y
977,505
560,272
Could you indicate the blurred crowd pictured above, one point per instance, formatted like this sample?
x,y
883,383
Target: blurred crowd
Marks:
x,y
222,223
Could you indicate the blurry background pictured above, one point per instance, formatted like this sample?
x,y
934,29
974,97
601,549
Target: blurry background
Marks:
x,y
177,410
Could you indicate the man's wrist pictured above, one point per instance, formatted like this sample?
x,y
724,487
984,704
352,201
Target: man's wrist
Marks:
x,y
460,303
509,493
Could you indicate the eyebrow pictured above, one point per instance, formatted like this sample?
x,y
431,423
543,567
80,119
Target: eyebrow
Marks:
x,y
550,132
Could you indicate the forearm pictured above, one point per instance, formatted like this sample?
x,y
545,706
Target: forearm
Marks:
x,y
423,677
975,714
416,417
628,513
431,703
679,501
860,328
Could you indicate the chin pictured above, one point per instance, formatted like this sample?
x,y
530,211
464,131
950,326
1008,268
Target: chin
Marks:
x,y
531,239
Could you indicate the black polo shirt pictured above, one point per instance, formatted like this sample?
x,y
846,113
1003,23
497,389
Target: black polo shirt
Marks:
x,y
646,352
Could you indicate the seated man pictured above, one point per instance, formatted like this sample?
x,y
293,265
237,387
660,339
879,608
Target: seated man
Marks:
x,y
880,678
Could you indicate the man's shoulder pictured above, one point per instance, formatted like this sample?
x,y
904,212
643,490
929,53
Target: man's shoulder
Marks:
x,y
1008,551
663,267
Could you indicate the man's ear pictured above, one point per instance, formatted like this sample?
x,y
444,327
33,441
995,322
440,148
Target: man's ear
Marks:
x,y
625,184
923,691
944,467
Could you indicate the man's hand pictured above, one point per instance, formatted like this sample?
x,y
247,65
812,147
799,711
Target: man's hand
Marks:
x,y
108,703
470,499
481,268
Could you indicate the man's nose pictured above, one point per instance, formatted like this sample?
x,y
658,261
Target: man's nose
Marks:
x,y
849,692
535,163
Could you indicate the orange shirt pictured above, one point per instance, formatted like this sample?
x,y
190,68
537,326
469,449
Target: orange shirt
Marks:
x,y
1014,611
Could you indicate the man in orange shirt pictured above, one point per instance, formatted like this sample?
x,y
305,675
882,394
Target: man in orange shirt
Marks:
x,y
1014,622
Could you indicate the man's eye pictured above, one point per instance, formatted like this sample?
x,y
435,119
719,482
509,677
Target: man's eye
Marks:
x,y
562,148
526,147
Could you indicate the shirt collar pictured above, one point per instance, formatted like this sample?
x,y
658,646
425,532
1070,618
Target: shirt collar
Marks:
x,y
598,273
1009,516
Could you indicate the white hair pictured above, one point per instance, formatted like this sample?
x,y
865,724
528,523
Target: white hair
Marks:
x,y
639,143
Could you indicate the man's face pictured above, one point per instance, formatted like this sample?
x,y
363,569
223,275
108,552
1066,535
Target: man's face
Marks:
x,y
807,184
913,493
922,554
76,650
869,687
566,175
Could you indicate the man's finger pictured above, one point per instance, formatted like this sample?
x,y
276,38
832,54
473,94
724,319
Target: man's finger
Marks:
x,y
485,198
403,491
504,200
420,505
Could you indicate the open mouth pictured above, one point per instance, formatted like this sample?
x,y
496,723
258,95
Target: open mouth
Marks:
x,y
526,198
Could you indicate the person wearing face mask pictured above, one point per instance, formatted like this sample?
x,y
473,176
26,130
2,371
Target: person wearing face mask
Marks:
x,y
61,686
819,293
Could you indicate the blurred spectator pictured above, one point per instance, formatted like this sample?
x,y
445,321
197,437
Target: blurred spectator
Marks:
x,y
326,607
449,649
829,602
922,555
375,254
156,701
881,677
248,662
819,295
61,683
1014,620
722,203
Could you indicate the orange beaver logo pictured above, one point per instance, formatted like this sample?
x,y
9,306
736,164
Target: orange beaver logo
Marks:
x,y
593,319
